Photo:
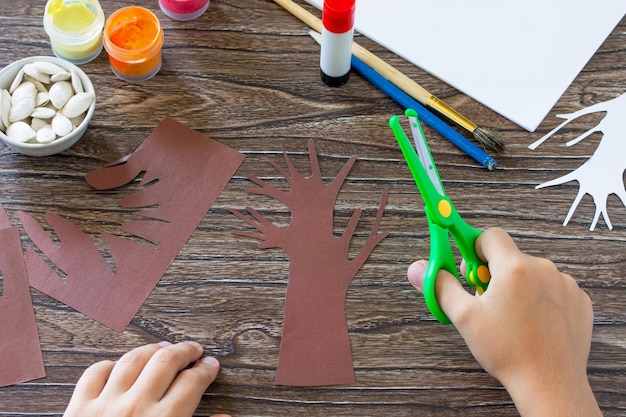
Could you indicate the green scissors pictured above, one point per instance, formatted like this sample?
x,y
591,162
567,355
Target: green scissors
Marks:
x,y
443,219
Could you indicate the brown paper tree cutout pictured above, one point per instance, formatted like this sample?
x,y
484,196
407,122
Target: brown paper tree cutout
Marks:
x,y
20,351
184,173
315,345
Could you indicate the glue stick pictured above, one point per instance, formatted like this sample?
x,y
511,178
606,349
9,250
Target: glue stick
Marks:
x,y
337,35
74,28
133,38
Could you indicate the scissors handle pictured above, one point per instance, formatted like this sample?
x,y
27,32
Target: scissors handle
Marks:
x,y
477,272
441,257
449,222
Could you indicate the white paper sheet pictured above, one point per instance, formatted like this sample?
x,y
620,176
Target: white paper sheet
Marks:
x,y
516,58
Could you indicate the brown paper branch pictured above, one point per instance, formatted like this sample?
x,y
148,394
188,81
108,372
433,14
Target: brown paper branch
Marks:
x,y
374,237
315,346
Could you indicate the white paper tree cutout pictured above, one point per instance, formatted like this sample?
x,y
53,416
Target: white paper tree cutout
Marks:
x,y
602,174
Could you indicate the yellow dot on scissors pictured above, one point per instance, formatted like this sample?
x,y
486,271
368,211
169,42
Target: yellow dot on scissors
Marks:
x,y
472,279
444,207
483,274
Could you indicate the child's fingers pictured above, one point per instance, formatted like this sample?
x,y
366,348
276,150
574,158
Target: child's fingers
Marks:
x,y
128,368
93,380
495,245
186,391
163,367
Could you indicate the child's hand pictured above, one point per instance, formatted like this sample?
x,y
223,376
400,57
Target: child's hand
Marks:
x,y
531,329
151,380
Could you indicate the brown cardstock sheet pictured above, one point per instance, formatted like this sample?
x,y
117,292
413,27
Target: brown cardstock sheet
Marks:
x,y
184,173
21,359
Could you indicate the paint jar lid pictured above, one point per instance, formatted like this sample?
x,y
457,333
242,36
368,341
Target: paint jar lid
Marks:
x,y
338,15
73,23
74,28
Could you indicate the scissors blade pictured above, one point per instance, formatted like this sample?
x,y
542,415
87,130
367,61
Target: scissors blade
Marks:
x,y
423,152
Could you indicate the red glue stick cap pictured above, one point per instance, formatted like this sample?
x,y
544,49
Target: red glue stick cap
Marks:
x,y
338,15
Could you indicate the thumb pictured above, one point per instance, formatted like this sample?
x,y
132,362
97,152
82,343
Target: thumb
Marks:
x,y
416,273
449,292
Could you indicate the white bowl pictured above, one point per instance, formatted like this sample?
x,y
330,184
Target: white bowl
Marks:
x,y
8,74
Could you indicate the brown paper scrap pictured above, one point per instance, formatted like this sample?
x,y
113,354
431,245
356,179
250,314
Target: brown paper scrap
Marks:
x,y
184,173
21,359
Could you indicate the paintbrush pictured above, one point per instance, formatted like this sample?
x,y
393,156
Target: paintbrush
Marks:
x,y
424,114
410,87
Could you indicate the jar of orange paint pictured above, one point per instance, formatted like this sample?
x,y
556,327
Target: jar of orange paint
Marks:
x,y
133,38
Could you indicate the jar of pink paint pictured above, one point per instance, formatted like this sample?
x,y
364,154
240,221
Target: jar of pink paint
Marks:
x,y
184,9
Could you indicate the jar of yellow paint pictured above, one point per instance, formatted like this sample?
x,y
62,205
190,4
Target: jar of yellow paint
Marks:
x,y
74,28
133,38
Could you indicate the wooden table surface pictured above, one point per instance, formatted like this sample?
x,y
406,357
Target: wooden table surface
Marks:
x,y
247,75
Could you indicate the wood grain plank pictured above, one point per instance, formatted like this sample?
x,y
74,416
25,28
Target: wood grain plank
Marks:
x,y
246,74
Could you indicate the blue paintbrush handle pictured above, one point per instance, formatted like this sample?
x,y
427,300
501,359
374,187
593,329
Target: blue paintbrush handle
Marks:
x,y
424,114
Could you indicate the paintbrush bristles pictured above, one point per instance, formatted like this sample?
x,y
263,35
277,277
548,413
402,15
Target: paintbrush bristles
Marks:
x,y
488,140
